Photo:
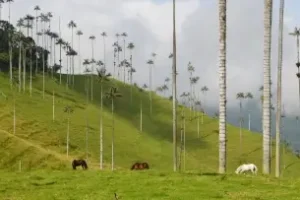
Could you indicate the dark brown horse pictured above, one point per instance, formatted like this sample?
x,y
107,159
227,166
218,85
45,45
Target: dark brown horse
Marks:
x,y
140,166
81,162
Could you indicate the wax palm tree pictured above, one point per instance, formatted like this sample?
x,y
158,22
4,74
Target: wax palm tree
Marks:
x,y
102,76
69,110
60,42
204,90
194,81
279,90
92,38
124,35
10,45
191,70
131,47
113,94
150,63
104,35
267,85
72,25
240,97
222,83
249,96
19,35
28,18
167,80
174,92
79,33
118,53
198,104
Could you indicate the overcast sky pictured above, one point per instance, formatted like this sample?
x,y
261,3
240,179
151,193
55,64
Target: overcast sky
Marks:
x,y
148,24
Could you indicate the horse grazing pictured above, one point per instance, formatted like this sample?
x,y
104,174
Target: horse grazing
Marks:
x,y
140,166
81,162
246,167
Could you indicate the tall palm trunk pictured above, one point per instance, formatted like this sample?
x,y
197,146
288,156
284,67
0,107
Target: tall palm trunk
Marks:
x,y
79,56
43,59
14,113
101,127
30,72
20,65
267,85
59,51
86,116
51,60
222,82
68,135
53,105
92,82
124,66
174,92
184,141
141,114
24,69
72,57
37,40
240,127
150,88
10,49
113,134
279,83
249,121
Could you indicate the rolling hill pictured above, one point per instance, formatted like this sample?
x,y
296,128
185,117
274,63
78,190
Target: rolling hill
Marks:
x,y
40,142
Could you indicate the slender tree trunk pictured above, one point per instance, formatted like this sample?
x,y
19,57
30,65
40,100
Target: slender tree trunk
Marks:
x,y
141,115
222,83
68,133
87,139
184,141
279,82
20,66
60,64
79,55
37,40
43,60
30,81
198,126
267,85
124,67
240,127
10,49
14,114
92,82
174,92
113,135
53,105
24,69
249,121
150,88
101,128
131,86
51,60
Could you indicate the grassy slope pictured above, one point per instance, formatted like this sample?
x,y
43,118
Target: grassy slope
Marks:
x,y
142,185
34,124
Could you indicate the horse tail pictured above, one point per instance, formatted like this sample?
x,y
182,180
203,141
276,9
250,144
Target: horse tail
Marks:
x,y
84,164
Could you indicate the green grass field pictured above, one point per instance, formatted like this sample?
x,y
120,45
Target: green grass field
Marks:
x,y
40,144
92,185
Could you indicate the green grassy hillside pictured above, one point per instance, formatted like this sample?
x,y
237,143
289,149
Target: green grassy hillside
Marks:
x,y
40,143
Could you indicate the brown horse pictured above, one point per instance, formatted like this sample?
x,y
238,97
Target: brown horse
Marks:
x,y
76,163
140,166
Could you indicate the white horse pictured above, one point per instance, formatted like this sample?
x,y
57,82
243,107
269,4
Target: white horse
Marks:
x,y
246,167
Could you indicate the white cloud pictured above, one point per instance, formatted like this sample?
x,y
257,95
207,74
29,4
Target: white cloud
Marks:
x,y
149,26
